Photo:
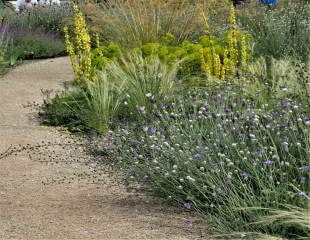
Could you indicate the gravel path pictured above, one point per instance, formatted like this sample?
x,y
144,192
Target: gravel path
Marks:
x,y
77,210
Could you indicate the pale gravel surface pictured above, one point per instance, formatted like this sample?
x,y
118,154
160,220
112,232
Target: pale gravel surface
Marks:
x,y
78,210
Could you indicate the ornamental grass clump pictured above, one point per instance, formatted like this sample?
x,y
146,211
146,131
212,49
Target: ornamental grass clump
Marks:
x,y
220,153
146,81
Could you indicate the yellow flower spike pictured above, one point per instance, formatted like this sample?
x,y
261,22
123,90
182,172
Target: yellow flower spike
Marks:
x,y
217,65
79,48
244,50
97,40
232,17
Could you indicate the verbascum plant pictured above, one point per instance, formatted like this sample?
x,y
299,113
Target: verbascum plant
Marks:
x,y
221,57
79,48
232,37
245,55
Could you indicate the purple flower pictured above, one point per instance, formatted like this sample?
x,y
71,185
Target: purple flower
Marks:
x,y
134,143
198,155
219,191
302,179
302,194
245,175
189,223
260,151
214,164
152,130
125,131
187,205
227,180
269,162
306,167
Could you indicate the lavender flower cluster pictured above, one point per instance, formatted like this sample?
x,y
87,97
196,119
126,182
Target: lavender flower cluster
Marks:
x,y
219,150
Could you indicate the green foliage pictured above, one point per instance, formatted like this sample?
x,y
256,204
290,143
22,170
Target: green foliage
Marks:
x,y
102,98
62,110
190,53
32,47
103,55
283,31
222,154
51,18
146,81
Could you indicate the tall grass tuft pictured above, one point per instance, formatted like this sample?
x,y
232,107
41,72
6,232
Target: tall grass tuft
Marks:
x,y
134,23
101,101
147,80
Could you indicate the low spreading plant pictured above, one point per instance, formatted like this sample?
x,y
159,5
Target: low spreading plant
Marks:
x,y
34,45
221,154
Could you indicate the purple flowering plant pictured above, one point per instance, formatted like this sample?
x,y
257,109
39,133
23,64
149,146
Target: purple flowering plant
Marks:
x,y
223,153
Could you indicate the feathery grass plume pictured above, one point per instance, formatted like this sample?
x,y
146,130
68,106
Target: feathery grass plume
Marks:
x,y
147,80
103,98
137,22
289,216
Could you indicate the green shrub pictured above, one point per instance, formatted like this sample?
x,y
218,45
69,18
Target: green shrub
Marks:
x,y
103,55
62,110
37,46
211,56
50,19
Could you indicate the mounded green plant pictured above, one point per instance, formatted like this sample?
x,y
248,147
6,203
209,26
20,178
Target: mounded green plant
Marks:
x,y
49,18
37,46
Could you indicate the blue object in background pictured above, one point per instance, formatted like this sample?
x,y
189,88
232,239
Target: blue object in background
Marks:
x,y
269,2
